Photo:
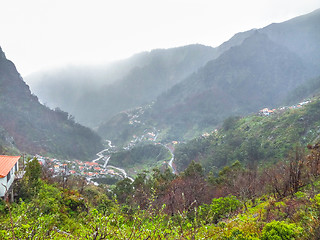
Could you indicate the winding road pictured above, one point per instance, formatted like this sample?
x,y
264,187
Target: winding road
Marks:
x,y
121,171
171,160
107,158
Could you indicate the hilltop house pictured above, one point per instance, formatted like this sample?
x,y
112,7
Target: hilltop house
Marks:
x,y
8,168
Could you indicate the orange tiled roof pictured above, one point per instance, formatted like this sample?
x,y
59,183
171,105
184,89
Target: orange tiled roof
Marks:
x,y
91,163
6,163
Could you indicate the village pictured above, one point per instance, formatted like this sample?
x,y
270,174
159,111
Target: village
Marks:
x,y
267,111
90,170
98,168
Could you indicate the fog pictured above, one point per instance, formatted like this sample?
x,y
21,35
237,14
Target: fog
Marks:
x,y
94,93
38,34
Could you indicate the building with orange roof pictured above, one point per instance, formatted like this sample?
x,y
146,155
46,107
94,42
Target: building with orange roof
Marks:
x,y
8,167
91,164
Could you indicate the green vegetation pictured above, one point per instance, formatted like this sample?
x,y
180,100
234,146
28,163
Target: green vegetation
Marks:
x,y
204,99
257,177
280,230
239,82
253,140
144,156
30,127
161,205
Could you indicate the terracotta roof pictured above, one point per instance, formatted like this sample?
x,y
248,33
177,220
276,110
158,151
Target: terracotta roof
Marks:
x,y
6,163
91,163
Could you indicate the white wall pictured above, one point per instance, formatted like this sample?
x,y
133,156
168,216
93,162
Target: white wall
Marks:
x,y
3,181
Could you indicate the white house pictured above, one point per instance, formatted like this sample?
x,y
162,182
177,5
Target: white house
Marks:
x,y
8,167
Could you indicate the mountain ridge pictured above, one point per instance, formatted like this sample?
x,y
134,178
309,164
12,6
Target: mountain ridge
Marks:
x,y
36,129
142,75
159,79
189,104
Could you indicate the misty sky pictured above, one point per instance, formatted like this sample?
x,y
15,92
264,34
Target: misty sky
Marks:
x,y
37,34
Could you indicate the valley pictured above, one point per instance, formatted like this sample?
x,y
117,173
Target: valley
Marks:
x,y
189,142
100,169
154,102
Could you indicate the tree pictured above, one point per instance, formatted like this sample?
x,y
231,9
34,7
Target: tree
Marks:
x,y
193,170
288,177
123,190
32,179
141,190
188,191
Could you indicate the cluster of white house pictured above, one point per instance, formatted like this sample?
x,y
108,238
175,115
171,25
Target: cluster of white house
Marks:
x,y
267,112
9,168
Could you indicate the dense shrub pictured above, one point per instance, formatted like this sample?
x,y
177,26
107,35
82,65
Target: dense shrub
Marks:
x,y
278,230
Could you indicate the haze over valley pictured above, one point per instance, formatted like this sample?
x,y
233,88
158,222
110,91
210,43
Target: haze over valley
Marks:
x,y
210,129
191,88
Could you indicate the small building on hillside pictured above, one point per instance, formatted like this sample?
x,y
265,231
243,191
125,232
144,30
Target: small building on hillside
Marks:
x,y
8,168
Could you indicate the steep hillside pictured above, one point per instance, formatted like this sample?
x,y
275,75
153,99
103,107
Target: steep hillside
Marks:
x,y
261,69
63,86
255,74
300,35
33,127
254,140
309,88
7,146
94,98
246,78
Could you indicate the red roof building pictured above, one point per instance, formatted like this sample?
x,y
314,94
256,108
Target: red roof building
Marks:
x,y
8,167
91,164
6,164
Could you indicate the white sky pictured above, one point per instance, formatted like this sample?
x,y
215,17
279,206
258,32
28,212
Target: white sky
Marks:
x,y
38,34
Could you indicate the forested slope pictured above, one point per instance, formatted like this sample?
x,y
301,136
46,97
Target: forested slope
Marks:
x,y
255,139
35,128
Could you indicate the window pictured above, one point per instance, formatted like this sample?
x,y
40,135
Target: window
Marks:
x,y
9,176
16,167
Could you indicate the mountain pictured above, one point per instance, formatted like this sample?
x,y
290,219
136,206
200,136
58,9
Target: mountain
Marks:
x,y
308,89
254,140
245,78
259,71
194,87
300,35
94,94
63,86
34,128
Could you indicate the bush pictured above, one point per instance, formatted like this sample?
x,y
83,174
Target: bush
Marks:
x,y
219,208
3,207
279,230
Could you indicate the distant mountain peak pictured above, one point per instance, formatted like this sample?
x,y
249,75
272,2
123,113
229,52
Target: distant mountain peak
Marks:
x,y
2,55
